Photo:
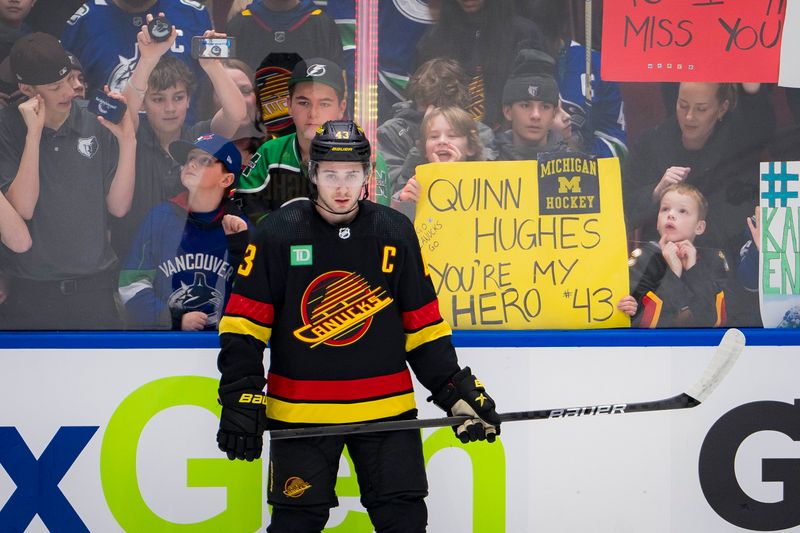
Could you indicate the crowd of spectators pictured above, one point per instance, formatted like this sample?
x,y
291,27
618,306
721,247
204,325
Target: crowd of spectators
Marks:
x,y
109,225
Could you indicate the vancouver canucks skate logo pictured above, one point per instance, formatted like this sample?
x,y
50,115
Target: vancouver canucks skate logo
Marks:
x,y
337,309
199,296
272,86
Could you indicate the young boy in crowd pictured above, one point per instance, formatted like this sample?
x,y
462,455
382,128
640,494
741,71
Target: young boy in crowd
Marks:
x,y
67,172
162,86
277,172
673,283
530,105
438,83
180,269
76,77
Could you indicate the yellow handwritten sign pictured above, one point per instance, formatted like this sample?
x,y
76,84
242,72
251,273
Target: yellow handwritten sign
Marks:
x,y
510,247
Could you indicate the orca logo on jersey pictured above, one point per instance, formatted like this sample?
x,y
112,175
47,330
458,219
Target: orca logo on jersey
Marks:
x,y
337,309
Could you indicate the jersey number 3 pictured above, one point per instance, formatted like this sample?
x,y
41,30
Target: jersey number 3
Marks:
x,y
247,261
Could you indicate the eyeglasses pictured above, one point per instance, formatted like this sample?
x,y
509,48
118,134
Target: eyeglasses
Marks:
x,y
201,160
331,178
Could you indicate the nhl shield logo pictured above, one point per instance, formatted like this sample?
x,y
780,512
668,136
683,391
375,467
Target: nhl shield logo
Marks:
x,y
280,36
533,90
344,233
88,146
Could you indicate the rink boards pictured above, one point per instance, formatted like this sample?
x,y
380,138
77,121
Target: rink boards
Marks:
x,y
104,437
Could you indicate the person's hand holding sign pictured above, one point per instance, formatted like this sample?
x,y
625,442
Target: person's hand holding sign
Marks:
x,y
411,190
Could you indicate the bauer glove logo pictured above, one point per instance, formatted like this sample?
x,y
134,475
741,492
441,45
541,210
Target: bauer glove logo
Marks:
x,y
481,398
258,399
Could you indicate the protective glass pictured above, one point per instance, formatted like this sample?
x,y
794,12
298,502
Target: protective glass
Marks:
x,y
341,178
201,159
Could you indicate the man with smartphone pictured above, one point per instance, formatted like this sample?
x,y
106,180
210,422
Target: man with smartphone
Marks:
x,y
65,171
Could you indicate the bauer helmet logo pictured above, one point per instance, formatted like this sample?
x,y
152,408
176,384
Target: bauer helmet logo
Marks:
x,y
316,70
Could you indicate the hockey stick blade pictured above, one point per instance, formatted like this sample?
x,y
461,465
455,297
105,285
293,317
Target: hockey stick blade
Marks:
x,y
723,360
727,353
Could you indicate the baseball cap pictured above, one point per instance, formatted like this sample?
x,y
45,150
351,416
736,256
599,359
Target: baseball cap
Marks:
x,y
39,59
532,78
220,147
319,70
74,62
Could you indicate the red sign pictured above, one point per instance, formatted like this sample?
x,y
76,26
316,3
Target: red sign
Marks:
x,y
692,40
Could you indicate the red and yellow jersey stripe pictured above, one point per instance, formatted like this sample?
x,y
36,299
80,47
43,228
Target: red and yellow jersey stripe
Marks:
x,y
339,401
424,325
244,316
722,311
651,312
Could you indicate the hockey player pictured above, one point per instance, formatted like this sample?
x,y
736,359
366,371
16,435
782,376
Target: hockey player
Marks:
x,y
338,287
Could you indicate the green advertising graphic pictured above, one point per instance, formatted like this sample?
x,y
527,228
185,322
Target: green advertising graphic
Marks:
x,y
244,482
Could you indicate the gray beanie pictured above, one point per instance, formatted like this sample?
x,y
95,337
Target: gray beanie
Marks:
x,y
532,78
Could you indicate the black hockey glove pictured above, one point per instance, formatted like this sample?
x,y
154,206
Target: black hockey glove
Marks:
x,y
243,419
464,394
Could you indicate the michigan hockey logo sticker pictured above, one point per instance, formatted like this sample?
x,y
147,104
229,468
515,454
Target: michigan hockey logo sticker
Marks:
x,y
337,309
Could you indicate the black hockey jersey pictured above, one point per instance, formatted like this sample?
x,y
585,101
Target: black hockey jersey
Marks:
x,y
305,30
344,308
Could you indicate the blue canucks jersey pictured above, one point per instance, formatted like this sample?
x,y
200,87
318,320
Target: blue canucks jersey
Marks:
x,y
104,38
601,123
401,24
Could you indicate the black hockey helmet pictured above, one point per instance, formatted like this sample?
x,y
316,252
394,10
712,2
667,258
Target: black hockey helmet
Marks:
x,y
340,140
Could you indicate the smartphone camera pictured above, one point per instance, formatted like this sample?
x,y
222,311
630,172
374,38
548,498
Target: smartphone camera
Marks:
x,y
213,47
103,105
160,29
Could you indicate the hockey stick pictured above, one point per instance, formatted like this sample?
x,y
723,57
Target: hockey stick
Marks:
x,y
726,354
